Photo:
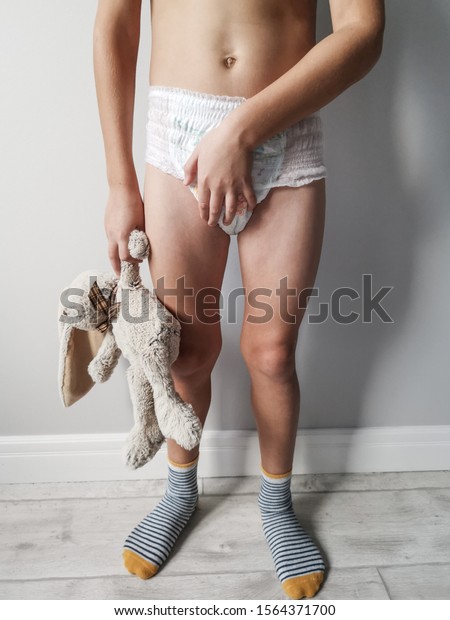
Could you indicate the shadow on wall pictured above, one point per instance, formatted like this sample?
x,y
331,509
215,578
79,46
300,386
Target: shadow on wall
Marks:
x,y
384,144
388,215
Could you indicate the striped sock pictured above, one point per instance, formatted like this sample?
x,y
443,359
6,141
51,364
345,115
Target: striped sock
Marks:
x,y
150,543
298,562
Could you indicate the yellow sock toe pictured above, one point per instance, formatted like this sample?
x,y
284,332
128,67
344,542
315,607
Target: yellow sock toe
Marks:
x,y
138,566
304,586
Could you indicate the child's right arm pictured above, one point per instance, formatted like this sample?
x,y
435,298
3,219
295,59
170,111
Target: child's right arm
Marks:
x,y
115,47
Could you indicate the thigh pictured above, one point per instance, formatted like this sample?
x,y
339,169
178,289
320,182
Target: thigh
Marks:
x,y
184,251
279,253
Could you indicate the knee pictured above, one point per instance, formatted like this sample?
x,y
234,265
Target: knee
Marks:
x,y
272,358
196,361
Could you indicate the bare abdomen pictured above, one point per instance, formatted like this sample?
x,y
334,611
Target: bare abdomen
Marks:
x,y
228,47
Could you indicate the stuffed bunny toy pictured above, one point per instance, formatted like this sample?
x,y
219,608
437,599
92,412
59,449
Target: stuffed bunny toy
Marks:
x,y
120,315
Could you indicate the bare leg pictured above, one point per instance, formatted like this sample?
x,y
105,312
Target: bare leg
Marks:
x,y
283,238
184,246
281,244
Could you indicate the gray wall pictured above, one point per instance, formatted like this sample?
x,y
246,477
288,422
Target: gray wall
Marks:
x,y
387,151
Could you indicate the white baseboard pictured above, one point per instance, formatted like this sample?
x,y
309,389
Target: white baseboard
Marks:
x,y
74,458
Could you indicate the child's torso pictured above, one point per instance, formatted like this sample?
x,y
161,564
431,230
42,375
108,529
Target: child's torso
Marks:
x,y
228,47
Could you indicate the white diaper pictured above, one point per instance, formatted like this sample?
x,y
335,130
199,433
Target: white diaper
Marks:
x,y
178,118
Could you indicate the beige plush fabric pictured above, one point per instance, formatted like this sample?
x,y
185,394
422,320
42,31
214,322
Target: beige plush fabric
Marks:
x,y
82,347
148,336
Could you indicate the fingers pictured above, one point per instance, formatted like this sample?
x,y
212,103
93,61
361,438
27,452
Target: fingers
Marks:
x,y
215,207
124,252
204,196
113,255
239,203
249,196
211,204
190,168
232,203
118,252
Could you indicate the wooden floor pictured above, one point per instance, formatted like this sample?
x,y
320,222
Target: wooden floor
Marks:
x,y
382,536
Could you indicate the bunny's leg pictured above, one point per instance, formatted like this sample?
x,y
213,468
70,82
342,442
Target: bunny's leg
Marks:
x,y
177,419
145,437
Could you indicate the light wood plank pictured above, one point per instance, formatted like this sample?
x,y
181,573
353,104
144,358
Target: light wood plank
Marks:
x,y
225,486
75,490
305,483
190,587
421,582
83,538
352,584
347,583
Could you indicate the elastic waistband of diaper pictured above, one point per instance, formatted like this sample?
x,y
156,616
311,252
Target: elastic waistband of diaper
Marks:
x,y
176,96
200,107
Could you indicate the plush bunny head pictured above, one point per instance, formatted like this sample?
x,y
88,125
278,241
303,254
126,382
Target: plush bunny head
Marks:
x,y
85,312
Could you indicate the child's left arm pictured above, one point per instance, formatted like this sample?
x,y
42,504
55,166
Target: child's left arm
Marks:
x,y
329,68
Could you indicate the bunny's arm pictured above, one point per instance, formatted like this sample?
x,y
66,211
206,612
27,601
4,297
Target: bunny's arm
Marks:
x,y
103,364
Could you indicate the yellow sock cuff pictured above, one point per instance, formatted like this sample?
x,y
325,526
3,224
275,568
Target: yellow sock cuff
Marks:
x,y
183,465
275,476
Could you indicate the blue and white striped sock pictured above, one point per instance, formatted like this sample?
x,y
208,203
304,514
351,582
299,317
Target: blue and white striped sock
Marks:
x,y
151,541
298,563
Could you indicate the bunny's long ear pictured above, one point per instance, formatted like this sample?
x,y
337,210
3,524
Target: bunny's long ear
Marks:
x,y
83,325
77,349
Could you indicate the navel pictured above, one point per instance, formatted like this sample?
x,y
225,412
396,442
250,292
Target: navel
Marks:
x,y
229,61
